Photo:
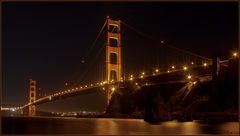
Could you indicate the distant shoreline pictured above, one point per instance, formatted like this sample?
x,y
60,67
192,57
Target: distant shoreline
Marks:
x,y
215,117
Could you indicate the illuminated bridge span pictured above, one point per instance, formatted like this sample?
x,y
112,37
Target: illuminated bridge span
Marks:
x,y
115,73
103,86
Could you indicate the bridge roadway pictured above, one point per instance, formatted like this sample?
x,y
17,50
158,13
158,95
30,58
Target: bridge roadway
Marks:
x,y
179,75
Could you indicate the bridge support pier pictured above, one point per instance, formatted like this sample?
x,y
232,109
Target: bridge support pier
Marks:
x,y
215,72
32,97
215,67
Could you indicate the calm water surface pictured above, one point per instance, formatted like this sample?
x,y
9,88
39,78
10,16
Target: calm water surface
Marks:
x,y
44,125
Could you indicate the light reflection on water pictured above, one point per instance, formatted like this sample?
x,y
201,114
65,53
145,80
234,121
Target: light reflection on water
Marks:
x,y
136,126
229,127
118,126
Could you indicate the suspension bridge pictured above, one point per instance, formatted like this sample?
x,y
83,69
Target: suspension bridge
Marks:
x,y
171,64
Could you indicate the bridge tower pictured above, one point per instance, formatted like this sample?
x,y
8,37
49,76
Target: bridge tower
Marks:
x,y
113,54
32,97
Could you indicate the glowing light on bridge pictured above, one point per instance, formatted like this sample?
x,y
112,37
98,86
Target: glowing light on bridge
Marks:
x,y
204,64
141,76
113,89
143,73
86,86
131,77
235,54
192,62
136,83
173,67
168,71
157,70
185,68
91,84
121,79
103,88
189,76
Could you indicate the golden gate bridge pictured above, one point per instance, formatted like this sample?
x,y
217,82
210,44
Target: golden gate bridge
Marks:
x,y
185,64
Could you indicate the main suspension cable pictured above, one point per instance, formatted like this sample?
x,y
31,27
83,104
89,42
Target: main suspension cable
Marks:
x,y
155,40
95,41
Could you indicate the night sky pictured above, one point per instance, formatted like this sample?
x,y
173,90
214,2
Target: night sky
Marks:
x,y
50,42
